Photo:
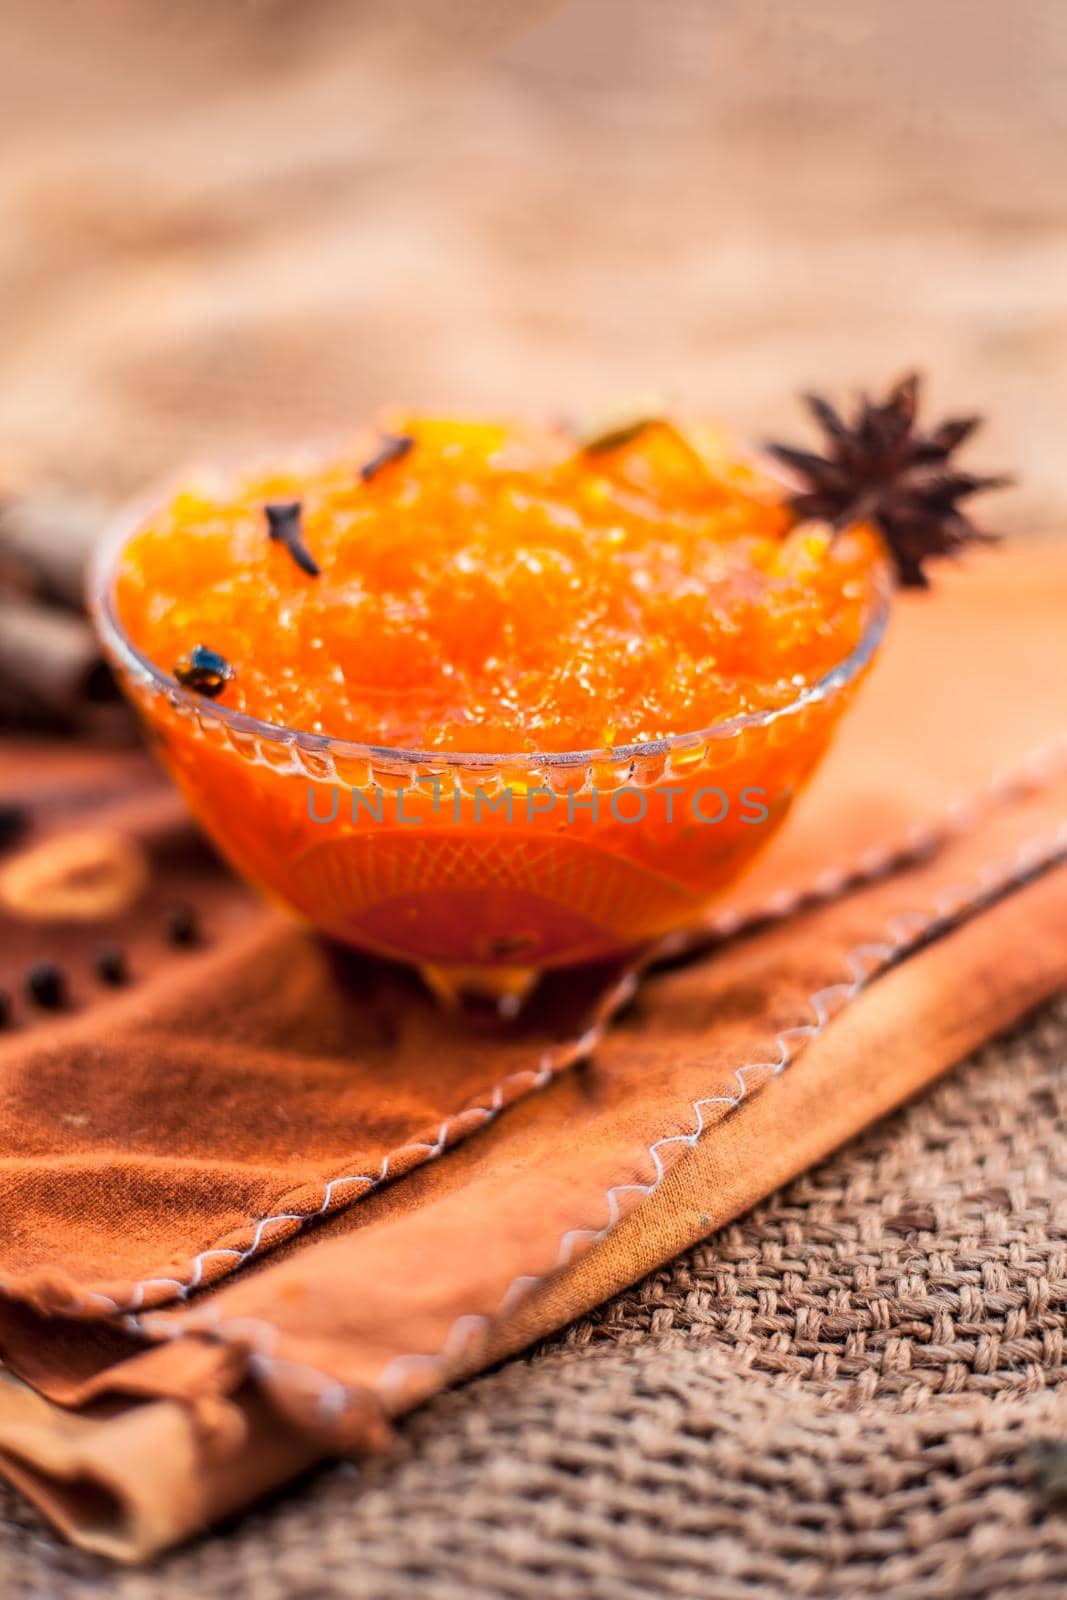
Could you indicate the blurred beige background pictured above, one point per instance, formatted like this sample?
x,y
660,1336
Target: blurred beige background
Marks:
x,y
222,224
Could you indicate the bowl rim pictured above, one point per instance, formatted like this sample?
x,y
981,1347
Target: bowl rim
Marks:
x,y
102,572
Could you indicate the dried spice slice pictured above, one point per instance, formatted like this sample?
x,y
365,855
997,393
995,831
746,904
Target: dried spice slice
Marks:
x,y
83,876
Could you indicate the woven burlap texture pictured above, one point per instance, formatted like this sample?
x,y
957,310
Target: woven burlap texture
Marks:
x,y
839,1395
832,1397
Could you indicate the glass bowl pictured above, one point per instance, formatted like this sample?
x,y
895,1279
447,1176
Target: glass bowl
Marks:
x,y
484,869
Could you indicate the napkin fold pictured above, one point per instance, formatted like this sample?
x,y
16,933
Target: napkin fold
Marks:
x,y
265,1196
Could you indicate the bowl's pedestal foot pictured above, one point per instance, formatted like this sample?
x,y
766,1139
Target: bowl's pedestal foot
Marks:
x,y
507,987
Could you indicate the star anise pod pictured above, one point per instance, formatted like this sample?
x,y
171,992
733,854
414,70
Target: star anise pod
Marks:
x,y
881,467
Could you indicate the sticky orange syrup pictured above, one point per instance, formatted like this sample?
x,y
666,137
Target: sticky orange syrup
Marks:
x,y
482,699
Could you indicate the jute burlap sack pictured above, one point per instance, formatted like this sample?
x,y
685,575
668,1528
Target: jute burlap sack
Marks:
x,y
849,1392
833,1397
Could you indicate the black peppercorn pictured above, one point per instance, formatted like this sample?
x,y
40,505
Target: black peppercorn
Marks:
x,y
46,984
110,966
14,820
183,926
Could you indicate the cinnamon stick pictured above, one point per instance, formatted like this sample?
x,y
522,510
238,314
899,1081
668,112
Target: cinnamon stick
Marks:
x,y
51,669
45,540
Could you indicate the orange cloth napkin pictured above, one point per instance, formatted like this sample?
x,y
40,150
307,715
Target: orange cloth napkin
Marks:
x,y
268,1196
